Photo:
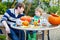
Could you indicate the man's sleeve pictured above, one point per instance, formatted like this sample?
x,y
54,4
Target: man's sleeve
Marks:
x,y
5,16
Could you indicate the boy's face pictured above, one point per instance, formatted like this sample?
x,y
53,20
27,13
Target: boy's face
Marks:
x,y
37,13
20,10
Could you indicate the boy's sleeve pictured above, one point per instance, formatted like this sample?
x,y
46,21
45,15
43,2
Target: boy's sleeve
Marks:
x,y
5,16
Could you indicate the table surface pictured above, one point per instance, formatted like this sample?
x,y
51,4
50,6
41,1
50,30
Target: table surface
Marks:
x,y
32,27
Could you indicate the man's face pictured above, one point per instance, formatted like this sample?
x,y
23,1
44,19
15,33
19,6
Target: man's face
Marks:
x,y
20,10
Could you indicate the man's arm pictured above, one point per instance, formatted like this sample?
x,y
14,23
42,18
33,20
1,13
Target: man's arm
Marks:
x,y
6,26
4,22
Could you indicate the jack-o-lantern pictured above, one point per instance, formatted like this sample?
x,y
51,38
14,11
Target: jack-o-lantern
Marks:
x,y
54,19
26,18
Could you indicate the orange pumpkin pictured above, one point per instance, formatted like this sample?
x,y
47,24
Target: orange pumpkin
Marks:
x,y
54,19
27,18
25,23
35,23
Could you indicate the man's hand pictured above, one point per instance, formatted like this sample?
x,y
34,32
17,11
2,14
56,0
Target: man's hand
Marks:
x,y
6,26
19,22
7,30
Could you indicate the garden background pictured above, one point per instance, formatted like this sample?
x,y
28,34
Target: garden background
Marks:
x,y
49,6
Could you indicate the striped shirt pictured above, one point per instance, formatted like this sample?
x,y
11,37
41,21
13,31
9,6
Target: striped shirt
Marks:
x,y
11,17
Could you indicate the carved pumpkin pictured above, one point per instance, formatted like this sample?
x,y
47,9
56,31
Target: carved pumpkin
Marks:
x,y
25,23
54,19
26,18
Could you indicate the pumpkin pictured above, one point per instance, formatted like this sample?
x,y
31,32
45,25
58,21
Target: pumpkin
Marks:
x,y
26,18
54,19
25,23
35,23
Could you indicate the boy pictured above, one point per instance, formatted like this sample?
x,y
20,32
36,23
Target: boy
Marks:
x,y
10,17
38,14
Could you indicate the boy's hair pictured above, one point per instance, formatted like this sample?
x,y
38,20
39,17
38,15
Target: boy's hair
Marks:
x,y
19,5
39,9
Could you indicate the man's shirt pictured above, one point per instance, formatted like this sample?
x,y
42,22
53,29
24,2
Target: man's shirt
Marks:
x,y
11,17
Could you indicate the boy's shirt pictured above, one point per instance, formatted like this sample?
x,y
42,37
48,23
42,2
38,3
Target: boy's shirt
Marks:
x,y
36,18
10,16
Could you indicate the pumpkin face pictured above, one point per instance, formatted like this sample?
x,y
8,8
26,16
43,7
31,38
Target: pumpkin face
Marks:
x,y
26,18
25,23
54,19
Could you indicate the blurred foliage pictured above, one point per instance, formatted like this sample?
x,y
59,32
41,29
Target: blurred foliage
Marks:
x,y
3,8
2,37
47,1
8,4
53,9
45,5
30,8
13,4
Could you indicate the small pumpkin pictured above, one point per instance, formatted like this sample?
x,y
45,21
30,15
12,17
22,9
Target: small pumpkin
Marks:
x,y
54,19
26,18
25,23
35,23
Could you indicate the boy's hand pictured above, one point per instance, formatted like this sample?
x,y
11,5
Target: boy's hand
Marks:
x,y
7,30
44,25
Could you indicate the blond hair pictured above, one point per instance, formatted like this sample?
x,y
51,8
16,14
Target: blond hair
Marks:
x,y
39,9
